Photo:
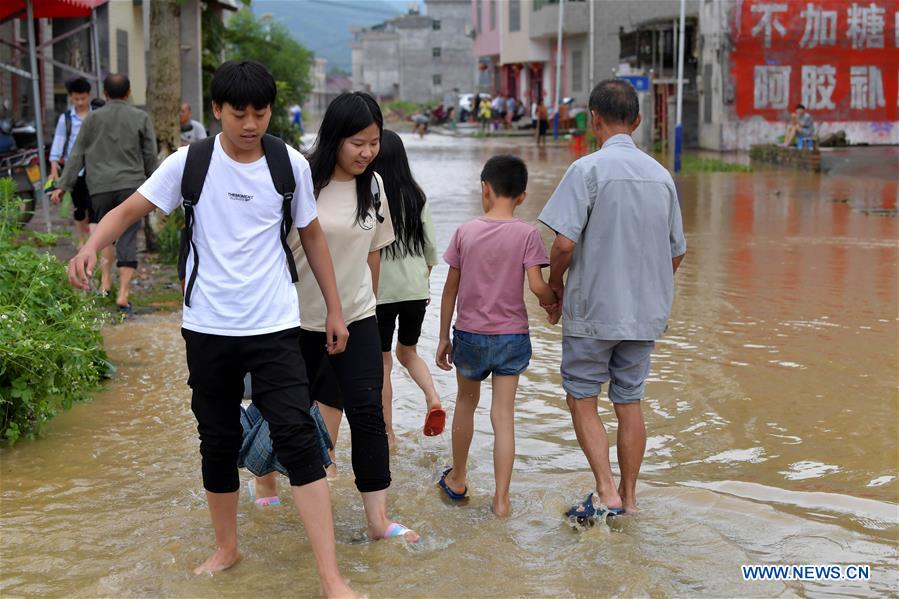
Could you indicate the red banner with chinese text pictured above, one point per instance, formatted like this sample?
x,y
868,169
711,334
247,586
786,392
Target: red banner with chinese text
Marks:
x,y
839,58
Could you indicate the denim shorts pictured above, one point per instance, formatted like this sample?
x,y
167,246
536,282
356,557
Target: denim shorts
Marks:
x,y
478,356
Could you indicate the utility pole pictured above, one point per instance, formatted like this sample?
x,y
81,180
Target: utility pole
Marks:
x,y
678,133
559,70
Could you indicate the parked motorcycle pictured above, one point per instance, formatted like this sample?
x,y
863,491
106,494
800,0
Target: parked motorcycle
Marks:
x,y
21,163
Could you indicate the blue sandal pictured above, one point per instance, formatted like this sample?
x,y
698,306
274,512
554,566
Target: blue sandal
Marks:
x,y
449,492
586,510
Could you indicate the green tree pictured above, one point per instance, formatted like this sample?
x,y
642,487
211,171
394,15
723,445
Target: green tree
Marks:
x,y
247,37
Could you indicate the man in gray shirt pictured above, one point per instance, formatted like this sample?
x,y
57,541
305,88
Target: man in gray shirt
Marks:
x,y
117,148
618,227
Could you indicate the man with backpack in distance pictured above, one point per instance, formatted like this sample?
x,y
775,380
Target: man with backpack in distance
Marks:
x,y
67,128
242,192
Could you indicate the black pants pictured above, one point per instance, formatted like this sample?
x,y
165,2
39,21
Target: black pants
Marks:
x,y
280,390
360,378
81,199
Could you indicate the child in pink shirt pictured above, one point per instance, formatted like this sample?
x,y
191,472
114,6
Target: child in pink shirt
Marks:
x,y
488,258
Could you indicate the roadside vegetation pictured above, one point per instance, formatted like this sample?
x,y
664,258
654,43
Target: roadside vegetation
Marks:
x,y
51,350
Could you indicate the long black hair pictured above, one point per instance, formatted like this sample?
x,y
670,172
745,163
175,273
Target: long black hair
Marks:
x,y
405,197
348,114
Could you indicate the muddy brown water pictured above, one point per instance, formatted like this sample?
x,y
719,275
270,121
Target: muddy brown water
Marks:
x,y
771,414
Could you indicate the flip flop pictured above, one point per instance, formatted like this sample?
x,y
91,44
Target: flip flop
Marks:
x,y
435,421
126,310
449,492
586,510
398,530
262,501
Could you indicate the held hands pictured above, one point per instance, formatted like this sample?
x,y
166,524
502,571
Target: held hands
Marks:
x,y
445,354
336,334
554,311
56,196
81,268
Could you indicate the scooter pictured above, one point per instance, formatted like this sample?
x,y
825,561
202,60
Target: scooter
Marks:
x,y
21,165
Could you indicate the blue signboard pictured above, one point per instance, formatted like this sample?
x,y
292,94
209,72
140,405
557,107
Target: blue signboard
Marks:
x,y
640,82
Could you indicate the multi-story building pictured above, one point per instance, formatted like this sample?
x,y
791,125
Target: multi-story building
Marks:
x,y
416,57
516,44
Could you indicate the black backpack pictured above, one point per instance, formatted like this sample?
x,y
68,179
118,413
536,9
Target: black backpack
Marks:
x,y
199,154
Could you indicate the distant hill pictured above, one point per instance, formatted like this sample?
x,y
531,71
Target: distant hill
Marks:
x,y
324,26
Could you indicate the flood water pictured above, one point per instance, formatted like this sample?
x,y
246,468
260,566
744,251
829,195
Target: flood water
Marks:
x,y
771,413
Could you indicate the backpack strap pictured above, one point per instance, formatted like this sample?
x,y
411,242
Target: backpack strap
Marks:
x,y
199,155
376,194
65,145
281,169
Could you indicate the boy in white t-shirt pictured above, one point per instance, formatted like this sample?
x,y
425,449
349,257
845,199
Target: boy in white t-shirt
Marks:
x,y
242,313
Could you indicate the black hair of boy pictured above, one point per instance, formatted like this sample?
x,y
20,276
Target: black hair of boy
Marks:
x,y
117,86
78,85
507,175
404,195
346,115
615,100
242,84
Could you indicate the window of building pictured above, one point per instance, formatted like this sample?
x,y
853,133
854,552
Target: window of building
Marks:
x,y
435,25
514,15
437,79
435,52
477,11
492,14
121,46
577,70
707,94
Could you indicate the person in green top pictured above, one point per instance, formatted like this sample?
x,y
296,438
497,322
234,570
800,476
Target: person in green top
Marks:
x,y
403,289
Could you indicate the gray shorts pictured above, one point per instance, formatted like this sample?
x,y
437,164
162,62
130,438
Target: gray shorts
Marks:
x,y
126,245
588,363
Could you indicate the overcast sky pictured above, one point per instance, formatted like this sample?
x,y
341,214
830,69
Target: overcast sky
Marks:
x,y
323,26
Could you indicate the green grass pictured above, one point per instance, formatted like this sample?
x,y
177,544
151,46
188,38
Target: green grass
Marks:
x,y
695,164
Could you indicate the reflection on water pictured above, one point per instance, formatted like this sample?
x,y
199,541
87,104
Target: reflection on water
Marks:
x,y
771,413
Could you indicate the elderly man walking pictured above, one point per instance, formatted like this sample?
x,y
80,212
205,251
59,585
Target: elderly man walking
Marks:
x,y
619,230
117,148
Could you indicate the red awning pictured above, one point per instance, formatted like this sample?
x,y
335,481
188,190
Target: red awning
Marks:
x,y
49,9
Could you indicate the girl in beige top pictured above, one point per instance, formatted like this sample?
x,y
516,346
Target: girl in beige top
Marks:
x,y
355,217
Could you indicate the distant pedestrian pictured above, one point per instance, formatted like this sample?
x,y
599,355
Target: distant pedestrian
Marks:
x,y
542,117
191,130
117,147
618,226
67,128
296,117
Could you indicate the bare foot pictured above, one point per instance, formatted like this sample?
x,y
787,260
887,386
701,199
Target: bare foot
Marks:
x,y
222,559
338,589
501,508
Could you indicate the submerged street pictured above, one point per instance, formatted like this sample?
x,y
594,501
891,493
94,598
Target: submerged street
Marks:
x,y
771,413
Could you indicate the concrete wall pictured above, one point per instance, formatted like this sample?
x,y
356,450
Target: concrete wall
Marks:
x,y
376,66
720,126
192,57
128,18
544,22
487,40
518,46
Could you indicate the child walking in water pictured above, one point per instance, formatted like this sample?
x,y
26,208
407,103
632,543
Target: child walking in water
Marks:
x,y
488,258
404,291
